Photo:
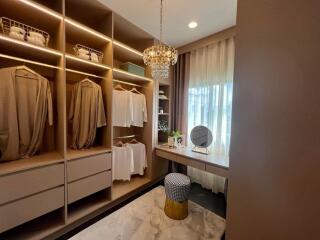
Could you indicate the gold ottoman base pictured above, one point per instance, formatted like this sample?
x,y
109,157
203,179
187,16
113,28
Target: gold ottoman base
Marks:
x,y
176,210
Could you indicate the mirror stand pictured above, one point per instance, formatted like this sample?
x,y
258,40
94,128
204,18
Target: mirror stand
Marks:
x,y
202,150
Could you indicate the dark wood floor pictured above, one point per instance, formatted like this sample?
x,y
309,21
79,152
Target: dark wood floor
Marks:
x,y
205,198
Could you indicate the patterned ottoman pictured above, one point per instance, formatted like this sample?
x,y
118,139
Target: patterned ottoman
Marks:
x,y
177,188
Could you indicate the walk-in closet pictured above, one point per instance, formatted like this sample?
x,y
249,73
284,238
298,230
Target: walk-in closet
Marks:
x,y
82,49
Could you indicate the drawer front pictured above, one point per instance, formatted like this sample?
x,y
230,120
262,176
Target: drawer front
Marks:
x,y
87,186
216,170
166,155
21,211
84,167
18,185
191,163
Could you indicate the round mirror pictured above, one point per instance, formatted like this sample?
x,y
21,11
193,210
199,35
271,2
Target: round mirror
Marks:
x,y
201,136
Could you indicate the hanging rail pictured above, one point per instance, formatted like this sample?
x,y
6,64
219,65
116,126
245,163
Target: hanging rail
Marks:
x,y
29,61
126,83
84,73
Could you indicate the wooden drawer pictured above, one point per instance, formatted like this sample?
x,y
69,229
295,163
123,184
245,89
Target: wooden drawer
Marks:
x,y
191,163
84,167
26,209
217,170
22,184
87,186
166,155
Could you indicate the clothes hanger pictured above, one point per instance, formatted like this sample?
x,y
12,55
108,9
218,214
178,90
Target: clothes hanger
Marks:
x,y
135,90
119,87
134,141
23,67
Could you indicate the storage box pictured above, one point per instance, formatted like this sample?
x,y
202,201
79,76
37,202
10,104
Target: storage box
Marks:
x,y
133,68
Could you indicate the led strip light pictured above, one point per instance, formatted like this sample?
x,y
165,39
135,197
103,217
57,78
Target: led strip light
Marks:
x,y
2,37
29,61
42,9
128,48
84,73
131,74
88,30
87,62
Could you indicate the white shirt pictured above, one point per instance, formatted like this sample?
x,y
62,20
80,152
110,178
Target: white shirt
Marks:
x,y
139,109
121,108
122,163
139,157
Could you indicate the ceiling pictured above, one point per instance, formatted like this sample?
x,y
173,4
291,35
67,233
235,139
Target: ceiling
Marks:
x,y
212,16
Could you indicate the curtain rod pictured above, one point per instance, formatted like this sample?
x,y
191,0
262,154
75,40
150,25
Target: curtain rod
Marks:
x,y
126,83
29,61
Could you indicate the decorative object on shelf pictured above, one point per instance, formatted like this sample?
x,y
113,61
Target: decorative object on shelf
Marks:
x,y
88,53
23,32
160,56
201,137
176,139
160,110
163,125
161,95
133,68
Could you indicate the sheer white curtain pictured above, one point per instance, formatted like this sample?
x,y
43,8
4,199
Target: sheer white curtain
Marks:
x,y
210,102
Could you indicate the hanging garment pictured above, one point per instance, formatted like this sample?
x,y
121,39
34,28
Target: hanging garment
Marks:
x,y
139,109
121,108
86,112
122,163
139,157
25,103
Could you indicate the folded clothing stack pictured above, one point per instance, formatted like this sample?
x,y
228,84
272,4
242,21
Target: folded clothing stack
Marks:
x,y
17,32
36,38
88,55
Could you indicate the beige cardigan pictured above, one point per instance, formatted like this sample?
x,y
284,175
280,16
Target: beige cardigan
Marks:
x,y
27,103
86,112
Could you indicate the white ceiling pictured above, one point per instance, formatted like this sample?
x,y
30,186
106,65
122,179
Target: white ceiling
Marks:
x,y
212,16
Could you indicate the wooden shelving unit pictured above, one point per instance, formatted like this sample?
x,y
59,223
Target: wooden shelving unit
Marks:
x,y
164,104
92,24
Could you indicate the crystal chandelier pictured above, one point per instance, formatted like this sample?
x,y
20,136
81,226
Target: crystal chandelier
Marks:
x,y
160,56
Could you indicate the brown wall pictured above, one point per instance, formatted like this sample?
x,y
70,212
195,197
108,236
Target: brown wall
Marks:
x,y
274,190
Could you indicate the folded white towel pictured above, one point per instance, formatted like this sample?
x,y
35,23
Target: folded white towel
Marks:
x,y
94,57
35,40
16,35
17,30
83,51
37,35
84,56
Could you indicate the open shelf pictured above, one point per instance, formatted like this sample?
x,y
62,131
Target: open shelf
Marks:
x,y
125,53
90,15
74,154
21,49
73,62
121,188
43,159
84,34
129,77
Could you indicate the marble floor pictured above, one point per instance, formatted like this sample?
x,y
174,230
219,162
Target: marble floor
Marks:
x,y
144,218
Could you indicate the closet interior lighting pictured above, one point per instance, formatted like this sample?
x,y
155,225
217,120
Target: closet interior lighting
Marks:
x,y
87,62
8,39
131,74
88,30
42,9
29,61
83,73
128,48
126,83
124,137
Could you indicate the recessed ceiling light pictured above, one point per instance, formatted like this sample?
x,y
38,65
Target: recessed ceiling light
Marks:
x,y
193,24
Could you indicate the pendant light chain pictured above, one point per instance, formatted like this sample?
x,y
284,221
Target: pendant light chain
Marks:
x,y
161,7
